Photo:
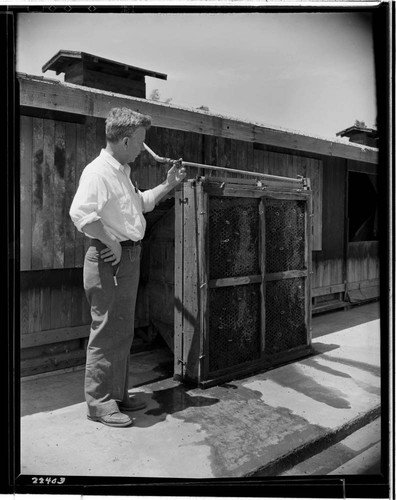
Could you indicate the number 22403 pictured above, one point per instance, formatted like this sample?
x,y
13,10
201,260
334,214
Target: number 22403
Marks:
x,y
48,480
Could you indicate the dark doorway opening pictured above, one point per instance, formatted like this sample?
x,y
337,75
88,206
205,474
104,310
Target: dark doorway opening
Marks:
x,y
362,207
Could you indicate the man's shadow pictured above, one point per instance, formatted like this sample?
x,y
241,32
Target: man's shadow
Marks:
x,y
169,401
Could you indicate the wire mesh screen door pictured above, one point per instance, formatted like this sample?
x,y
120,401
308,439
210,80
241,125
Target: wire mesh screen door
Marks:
x,y
242,279
234,297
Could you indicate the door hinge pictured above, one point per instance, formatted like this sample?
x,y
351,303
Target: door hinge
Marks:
x,y
183,200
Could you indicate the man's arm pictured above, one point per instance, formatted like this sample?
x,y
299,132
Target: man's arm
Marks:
x,y
113,251
175,175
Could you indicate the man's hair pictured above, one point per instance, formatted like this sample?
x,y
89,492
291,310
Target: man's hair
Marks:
x,y
122,122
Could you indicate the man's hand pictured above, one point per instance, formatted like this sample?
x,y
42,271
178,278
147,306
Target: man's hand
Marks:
x,y
175,175
177,172
112,253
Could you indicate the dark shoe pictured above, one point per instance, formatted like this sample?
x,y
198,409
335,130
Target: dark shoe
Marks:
x,y
134,403
115,419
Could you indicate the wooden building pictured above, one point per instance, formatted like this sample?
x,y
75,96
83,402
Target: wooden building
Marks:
x,y
62,130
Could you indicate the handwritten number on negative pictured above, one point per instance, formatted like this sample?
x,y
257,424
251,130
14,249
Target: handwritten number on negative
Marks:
x,y
48,480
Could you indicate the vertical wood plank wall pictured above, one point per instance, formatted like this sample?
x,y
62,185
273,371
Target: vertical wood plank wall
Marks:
x,y
363,261
53,155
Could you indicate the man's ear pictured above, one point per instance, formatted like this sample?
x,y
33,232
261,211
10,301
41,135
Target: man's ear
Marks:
x,y
125,141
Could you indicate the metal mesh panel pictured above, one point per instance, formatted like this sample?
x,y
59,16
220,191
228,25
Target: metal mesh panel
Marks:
x,y
285,230
234,325
233,237
285,315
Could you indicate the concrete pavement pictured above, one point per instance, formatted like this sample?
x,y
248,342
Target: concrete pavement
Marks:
x,y
259,425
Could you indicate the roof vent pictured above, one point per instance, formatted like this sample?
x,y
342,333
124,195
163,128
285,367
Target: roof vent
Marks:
x,y
100,73
361,135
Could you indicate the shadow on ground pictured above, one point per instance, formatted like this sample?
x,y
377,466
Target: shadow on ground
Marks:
x,y
168,402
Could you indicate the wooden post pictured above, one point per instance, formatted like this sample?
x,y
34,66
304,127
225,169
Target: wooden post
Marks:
x,y
179,283
191,323
203,243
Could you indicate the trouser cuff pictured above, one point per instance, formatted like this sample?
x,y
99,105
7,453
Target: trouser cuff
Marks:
x,y
103,409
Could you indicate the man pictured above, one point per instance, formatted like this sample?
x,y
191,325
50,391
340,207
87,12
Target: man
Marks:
x,y
109,210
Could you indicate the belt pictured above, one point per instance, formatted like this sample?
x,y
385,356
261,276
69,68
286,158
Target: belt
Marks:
x,y
125,244
130,243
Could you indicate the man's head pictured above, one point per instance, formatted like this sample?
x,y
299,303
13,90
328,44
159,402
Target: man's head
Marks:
x,y
125,133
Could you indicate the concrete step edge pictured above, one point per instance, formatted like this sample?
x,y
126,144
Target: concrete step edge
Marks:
x,y
315,446
369,457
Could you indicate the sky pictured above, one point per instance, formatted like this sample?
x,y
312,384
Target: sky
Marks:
x,y
307,72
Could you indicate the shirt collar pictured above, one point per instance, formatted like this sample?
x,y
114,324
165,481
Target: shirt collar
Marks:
x,y
113,162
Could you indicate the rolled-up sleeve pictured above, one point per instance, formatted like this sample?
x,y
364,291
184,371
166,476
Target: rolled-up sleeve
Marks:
x,y
89,200
148,200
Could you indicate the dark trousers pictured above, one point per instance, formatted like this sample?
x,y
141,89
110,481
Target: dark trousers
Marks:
x,y
112,327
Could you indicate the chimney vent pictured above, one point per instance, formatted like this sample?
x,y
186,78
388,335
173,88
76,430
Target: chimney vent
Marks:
x,y
100,73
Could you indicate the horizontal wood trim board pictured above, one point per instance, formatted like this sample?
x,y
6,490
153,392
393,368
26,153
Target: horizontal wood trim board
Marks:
x,y
250,180
363,284
287,195
286,275
68,98
364,294
52,363
54,336
237,192
341,287
253,191
327,290
235,182
243,280
258,193
53,114
339,304
246,280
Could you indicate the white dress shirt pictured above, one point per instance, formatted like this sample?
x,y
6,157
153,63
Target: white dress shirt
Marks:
x,y
105,192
